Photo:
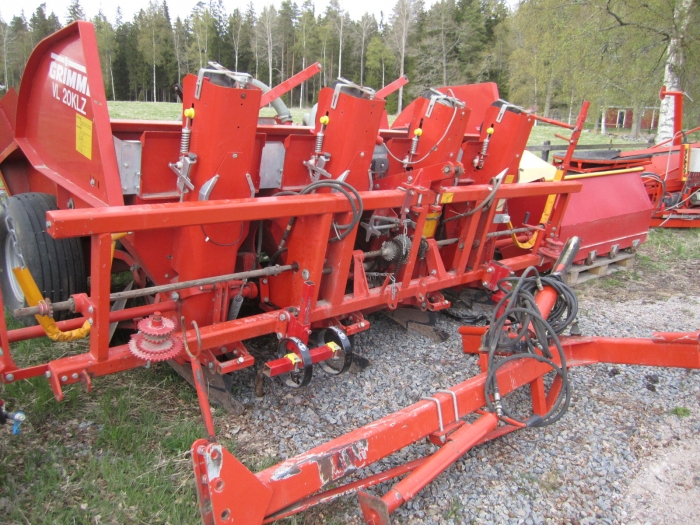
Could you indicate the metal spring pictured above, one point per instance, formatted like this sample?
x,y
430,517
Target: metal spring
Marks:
x,y
485,146
319,142
414,145
185,140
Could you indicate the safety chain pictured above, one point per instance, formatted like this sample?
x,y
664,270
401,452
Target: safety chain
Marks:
x,y
9,223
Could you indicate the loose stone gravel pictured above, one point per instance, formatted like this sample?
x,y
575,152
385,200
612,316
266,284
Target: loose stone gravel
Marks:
x,y
575,471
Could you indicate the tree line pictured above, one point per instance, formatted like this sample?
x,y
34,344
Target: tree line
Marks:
x,y
546,55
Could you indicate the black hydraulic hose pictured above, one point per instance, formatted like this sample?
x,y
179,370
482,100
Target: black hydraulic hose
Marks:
x,y
521,331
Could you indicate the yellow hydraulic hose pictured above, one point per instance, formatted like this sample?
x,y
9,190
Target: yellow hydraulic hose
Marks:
x,y
33,296
115,238
546,213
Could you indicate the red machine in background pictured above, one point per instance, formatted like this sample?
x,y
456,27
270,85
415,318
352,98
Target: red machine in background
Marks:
x,y
670,171
234,229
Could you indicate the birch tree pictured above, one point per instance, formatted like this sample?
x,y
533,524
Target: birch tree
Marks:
x,y
403,21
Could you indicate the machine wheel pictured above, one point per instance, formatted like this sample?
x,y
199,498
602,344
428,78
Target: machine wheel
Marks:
x,y
301,376
57,265
343,355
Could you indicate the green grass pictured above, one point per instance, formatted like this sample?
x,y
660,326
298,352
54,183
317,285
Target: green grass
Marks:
x,y
667,247
172,111
680,412
116,455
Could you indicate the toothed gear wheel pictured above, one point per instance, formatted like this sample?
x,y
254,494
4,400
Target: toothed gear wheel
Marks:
x,y
397,249
154,342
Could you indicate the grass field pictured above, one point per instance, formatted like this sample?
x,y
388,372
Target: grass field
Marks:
x,y
170,111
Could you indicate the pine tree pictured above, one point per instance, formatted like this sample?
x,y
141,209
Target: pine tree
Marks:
x,y
75,12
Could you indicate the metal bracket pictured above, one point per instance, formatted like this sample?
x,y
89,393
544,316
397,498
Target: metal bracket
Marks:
x,y
207,187
241,79
437,403
344,83
250,185
454,401
437,96
182,170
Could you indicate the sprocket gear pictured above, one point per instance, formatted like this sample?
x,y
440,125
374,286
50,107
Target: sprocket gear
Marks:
x,y
155,341
397,249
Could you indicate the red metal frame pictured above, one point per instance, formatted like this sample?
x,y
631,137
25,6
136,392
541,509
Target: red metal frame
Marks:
x,y
291,486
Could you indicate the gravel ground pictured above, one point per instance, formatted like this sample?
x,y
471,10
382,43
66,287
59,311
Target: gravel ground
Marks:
x,y
576,471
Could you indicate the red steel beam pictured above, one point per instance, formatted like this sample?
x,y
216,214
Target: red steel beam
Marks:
x,y
91,221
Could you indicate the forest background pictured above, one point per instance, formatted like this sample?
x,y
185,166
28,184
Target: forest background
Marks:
x,y
545,55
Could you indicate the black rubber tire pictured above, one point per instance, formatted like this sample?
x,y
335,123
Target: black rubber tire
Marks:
x,y
57,265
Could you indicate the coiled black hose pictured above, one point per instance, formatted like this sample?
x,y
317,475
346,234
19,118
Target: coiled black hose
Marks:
x,y
521,331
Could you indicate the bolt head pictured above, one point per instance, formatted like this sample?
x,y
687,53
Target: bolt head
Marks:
x,y
283,317
91,309
90,320
174,296
64,379
211,365
410,178
47,374
92,182
489,270
362,324
266,299
433,272
279,335
240,360
264,281
485,283
74,375
9,378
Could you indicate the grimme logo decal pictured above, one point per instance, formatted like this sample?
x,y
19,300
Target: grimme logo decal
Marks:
x,y
73,77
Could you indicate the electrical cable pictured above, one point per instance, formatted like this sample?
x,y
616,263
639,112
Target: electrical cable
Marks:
x,y
209,239
447,129
518,328
341,230
496,182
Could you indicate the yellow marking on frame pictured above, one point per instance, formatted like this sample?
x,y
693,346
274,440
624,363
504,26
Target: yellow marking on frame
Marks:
x,y
83,136
333,346
446,198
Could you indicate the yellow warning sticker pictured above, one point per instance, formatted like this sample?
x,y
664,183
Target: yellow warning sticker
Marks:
x,y
83,136
446,198
333,346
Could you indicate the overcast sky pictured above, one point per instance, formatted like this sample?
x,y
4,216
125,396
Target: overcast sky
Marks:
x,y
181,8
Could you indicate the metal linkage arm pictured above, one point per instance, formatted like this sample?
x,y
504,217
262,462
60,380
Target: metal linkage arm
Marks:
x,y
289,84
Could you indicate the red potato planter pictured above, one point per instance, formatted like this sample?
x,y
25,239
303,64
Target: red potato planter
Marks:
x,y
234,229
